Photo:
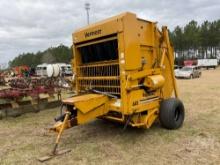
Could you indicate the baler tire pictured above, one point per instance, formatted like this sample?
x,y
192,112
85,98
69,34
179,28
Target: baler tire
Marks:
x,y
172,113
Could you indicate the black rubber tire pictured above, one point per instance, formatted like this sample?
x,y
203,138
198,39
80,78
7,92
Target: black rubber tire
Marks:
x,y
172,113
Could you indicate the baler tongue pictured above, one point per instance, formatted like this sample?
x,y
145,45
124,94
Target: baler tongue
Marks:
x,y
54,151
87,107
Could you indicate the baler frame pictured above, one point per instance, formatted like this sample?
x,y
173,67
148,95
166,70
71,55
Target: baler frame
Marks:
x,y
131,85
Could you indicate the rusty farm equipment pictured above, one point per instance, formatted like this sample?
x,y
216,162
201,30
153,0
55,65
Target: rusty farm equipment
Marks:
x,y
27,94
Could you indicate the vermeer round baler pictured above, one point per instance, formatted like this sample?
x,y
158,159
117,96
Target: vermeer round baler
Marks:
x,y
123,72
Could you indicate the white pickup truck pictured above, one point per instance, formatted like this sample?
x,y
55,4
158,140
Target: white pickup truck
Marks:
x,y
207,63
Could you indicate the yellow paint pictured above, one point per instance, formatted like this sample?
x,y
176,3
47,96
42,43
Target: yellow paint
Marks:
x,y
140,77
154,82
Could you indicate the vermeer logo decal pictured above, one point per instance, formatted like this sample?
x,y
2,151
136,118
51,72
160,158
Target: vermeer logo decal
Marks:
x,y
88,34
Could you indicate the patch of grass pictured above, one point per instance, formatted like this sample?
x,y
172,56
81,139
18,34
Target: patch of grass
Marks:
x,y
24,139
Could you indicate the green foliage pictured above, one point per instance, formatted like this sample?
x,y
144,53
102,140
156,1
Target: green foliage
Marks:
x,y
196,41
57,54
203,40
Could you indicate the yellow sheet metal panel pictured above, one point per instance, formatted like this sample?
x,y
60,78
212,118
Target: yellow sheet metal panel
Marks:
x,y
88,106
144,120
146,31
131,42
87,102
92,103
123,94
143,66
134,100
83,118
81,98
103,28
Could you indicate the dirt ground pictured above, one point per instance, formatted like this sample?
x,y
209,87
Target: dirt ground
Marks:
x,y
24,139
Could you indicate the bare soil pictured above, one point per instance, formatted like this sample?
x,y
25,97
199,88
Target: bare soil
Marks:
x,y
25,138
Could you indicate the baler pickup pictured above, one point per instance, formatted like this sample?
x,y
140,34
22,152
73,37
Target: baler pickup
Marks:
x,y
87,107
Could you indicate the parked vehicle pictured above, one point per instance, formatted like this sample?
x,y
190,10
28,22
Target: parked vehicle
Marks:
x,y
207,63
41,70
66,69
48,70
189,72
176,68
54,70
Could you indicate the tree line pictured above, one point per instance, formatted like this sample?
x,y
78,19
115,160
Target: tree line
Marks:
x,y
59,54
194,41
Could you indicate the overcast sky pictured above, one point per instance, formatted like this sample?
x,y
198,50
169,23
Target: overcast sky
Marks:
x,y
33,25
